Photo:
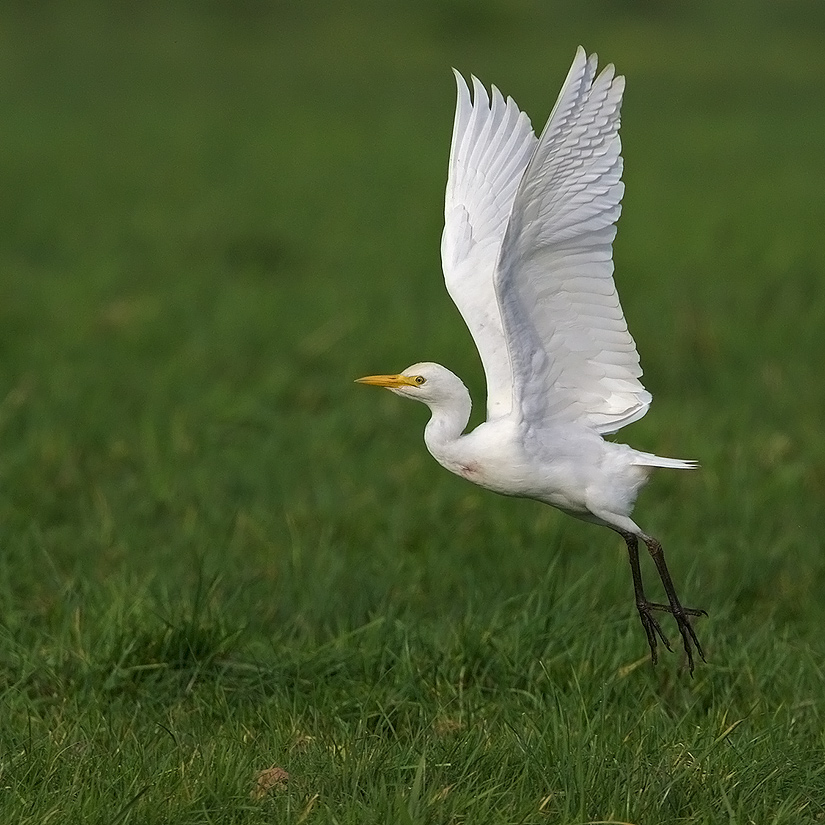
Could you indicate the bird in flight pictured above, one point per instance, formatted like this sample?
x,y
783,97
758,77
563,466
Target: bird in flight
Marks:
x,y
527,253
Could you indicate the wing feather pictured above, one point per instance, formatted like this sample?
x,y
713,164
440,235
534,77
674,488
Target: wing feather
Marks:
x,y
491,147
569,348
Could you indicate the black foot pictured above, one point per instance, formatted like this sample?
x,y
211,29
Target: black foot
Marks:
x,y
680,614
674,607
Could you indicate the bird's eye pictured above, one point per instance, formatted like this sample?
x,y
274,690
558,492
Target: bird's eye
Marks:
x,y
419,379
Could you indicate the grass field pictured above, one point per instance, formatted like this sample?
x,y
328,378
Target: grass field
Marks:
x,y
220,555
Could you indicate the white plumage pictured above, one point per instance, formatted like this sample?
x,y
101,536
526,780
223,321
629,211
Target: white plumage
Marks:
x,y
527,254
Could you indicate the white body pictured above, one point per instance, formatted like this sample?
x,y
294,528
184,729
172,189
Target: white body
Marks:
x,y
555,467
564,464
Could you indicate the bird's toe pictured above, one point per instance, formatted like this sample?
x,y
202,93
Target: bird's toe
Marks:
x,y
666,608
652,630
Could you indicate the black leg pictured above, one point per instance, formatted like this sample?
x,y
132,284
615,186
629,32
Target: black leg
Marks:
x,y
649,623
680,614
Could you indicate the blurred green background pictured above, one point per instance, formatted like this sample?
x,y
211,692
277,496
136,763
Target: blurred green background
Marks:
x,y
213,217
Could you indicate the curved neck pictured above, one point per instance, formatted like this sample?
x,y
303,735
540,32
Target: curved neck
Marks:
x,y
447,423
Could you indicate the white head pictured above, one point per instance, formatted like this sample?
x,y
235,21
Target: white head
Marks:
x,y
431,383
442,391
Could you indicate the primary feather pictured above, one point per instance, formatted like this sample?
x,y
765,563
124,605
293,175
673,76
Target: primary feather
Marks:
x,y
492,145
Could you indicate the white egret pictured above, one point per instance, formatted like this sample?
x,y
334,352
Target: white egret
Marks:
x,y
527,257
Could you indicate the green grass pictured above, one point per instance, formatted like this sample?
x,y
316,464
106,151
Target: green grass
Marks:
x,y
218,555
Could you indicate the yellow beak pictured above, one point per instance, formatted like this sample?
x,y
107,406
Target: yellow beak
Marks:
x,y
387,381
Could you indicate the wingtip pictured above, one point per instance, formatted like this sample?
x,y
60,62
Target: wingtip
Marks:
x,y
462,90
480,95
582,56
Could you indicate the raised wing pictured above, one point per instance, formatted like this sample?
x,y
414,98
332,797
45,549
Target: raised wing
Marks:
x,y
571,353
492,145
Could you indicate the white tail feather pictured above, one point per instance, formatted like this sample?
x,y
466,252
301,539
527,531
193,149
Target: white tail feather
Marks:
x,y
651,460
